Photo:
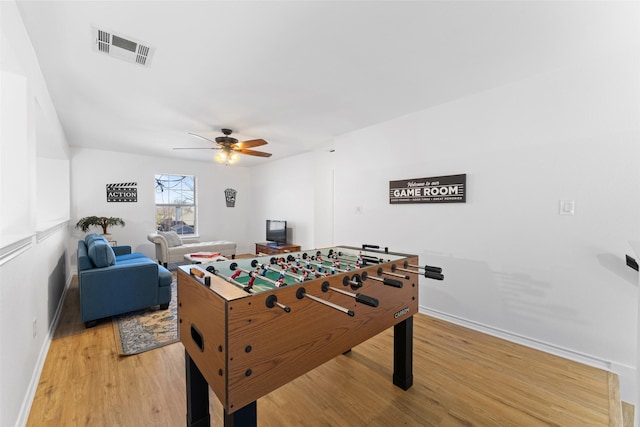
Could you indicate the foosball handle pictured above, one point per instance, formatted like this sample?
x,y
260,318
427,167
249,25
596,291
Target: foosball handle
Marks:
x,y
392,282
196,272
432,269
433,275
367,300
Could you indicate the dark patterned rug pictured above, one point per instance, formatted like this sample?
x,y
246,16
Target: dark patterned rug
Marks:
x,y
144,330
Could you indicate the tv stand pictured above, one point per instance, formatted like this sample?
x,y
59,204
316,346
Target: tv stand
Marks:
x,y
274,248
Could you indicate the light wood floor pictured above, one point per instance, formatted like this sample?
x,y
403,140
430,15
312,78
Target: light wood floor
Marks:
x,y
461,378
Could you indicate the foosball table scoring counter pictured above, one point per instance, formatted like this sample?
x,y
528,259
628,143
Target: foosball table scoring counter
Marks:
x,y
252,325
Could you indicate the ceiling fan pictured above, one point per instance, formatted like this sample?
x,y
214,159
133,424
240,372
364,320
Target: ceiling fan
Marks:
x,y
230,147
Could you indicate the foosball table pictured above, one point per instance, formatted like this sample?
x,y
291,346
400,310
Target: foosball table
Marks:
x,y
252,325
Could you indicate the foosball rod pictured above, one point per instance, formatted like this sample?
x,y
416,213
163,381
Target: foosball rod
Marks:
x,y
361,298
302,292
342,261
286,272
389,282
310,270
427,273
299,278
430,271
365,258
211,269
292,259
234,266
391,273
328,267
272,301
426,267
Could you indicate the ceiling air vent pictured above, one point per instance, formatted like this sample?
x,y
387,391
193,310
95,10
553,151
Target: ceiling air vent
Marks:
x,y
121,47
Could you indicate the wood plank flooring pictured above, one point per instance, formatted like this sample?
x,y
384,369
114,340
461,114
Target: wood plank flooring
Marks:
x,y
461,378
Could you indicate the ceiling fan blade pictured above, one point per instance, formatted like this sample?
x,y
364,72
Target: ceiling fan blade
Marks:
x,y
201,137
254,153
251,143
196,148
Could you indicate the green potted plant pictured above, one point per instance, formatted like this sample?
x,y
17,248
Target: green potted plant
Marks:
x,y
87,222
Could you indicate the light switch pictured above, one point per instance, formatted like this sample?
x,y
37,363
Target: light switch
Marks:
x,y
567,207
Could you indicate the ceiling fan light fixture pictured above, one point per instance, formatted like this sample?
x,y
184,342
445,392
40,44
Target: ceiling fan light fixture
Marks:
x,y
227,156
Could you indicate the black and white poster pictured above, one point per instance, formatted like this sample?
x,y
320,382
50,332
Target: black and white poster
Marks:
x,y
122,192
437,189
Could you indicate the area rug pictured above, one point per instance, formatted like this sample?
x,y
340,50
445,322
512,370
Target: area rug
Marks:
x,y
145,330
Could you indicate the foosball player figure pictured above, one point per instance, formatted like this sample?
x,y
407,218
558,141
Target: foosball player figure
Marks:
x,y
298,260
280,282
236,274
305,275
252,279
334,266
264,269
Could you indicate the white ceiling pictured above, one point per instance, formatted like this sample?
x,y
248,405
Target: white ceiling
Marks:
x,y
296,73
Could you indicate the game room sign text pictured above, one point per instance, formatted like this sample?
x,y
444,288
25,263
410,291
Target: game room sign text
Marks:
x,y
437,189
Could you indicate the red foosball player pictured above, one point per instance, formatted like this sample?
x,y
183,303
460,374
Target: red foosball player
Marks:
x,y
305,275
236,274
280,282
250,282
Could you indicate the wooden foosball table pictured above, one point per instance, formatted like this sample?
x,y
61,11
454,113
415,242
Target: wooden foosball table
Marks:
x,y
252,325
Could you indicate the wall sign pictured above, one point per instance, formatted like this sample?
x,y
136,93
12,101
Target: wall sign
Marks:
x,y
437,189
122,192
230,197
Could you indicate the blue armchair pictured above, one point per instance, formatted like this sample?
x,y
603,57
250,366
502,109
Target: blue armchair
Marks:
x,y
112,280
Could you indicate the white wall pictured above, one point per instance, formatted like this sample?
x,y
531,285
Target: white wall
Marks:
x,y
92,170
34,189
297,189
514,266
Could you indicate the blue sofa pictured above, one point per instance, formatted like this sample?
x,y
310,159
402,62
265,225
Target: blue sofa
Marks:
x,y
112,280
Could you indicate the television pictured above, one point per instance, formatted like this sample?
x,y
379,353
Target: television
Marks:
x,y
277,231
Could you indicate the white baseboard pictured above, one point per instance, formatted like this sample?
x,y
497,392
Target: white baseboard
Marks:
x,y
23,416
626,373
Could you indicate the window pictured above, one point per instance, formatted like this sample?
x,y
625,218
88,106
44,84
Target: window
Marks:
x,y
176,203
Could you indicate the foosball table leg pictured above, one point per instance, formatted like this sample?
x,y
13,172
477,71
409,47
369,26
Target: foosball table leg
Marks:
x,y
403,354
197,395
244,417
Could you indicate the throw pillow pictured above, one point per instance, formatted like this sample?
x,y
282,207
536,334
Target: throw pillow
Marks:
x,y
93,237
101,253
172,237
